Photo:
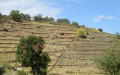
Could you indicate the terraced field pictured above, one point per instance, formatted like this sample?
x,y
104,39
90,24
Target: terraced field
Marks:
x,y
69,55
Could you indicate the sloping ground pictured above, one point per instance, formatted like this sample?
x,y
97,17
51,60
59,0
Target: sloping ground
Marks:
x,y
78,58
69,55
57,39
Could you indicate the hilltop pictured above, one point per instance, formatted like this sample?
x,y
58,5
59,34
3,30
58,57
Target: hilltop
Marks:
x,y
69,55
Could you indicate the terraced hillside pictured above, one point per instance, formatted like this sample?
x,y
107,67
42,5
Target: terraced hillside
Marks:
x,y
78,58
69,55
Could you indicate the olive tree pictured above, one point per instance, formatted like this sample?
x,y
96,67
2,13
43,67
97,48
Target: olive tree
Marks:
x,y
29,53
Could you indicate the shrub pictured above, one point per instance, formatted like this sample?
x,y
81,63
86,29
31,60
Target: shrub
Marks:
x,y
55,23
81,33
15,15
51,19
38,26
25,17
5,29
38,17
29,53
12,25
75,24
117,35
4,64
66,21
22,73
87,33
100,30
109,61
92,37
83,25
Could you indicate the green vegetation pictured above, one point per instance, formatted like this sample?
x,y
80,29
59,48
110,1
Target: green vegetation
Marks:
x,y
5,29
39,18
83,25
29,53
117,35
75,24
38,26
81,33
25,17
12,25
100,30
66,21
22,73
17,16
4,64
87,33
109,61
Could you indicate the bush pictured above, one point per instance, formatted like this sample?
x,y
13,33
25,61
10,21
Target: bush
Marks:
x,y
38,17
66,21
75,24
109,61
22,73
81,33
25,17
19,17
83,25
15,15
29,53
117,35
38,26
87,33
4,63
6,29
12,25
100,30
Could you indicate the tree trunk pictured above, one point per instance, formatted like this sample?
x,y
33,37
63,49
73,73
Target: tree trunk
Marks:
x,y
33,71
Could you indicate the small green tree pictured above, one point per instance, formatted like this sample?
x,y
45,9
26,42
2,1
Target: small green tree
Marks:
x,y
38,17
109,61
100,30
25,17
51,19
66,21
29,53
15,15
117,35
75,24
81,33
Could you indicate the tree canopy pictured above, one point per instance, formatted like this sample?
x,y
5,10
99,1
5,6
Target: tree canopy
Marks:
x,y
29,53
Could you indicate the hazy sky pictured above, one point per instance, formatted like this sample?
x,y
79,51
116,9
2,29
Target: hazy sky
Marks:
x,y
103,14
